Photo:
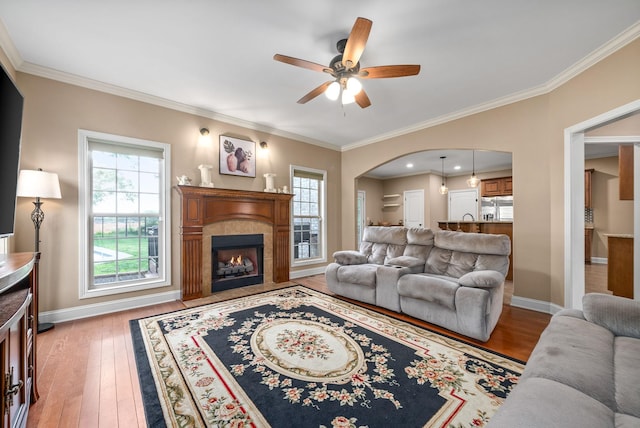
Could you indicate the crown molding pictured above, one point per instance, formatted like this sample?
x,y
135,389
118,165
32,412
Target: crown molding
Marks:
x,y
618,42
6,44
108,88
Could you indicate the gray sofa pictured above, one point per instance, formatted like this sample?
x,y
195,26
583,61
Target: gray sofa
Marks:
x,y
584,371
451,279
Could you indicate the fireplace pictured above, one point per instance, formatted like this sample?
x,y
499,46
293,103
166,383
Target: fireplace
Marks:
x,y
236,261
209,211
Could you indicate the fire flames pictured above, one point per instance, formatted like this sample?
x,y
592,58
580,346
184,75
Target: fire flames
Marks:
x,y
235,261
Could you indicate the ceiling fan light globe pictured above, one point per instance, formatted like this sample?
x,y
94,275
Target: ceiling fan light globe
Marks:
x,y
348,98
333,91
353,86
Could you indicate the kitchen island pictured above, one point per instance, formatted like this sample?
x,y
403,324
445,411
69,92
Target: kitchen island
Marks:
x,y
494,227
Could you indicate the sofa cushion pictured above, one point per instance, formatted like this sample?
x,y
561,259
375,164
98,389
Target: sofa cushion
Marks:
x,y
436,289
360,274
618,314
537,403
349,257
450,263
493,262
482,279
479,243
419,243
576,353
627,375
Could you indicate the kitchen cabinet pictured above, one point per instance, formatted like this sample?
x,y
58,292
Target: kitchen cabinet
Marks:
x,y
620,265
18,278
625,171
502,186
587,188
588,238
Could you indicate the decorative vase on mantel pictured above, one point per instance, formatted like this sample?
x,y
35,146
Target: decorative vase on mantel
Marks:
x,y
269,178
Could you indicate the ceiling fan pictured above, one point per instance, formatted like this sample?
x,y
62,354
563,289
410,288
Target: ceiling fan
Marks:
x,y
345,69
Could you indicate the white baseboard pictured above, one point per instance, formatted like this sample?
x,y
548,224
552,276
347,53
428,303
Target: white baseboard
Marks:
x,y
307,272
535,305
599,260
85,311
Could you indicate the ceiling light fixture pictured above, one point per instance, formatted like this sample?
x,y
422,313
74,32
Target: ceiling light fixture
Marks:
x,y
443,187
344,88
409,165
473,181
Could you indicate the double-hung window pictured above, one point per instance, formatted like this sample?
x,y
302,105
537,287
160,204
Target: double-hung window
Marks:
x,y
124,205
309,211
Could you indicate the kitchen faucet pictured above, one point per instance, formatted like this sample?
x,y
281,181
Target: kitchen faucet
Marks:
x,y
466,214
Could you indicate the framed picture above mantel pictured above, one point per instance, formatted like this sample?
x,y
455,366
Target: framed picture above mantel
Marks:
x,y
237,156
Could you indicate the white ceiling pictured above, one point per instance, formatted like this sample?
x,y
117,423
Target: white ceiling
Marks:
x,y
215,58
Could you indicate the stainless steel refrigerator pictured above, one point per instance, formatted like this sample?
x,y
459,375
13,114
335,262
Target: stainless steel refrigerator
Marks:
x,y
497,208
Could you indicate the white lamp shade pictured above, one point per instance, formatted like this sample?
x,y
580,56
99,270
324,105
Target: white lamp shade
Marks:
x,y
38,184
353,86
333,91
347,98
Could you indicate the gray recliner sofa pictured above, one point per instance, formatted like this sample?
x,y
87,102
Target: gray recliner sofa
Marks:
x,y
451,279
583,372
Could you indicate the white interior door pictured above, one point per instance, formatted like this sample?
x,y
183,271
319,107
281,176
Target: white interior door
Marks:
x,y
414,208
463,202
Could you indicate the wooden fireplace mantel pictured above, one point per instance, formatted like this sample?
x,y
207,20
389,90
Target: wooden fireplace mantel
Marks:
x,y
201,206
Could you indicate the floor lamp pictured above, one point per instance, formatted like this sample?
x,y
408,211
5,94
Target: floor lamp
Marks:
x,y
38,184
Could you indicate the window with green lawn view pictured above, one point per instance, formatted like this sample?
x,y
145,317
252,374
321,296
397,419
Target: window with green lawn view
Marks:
x,y
124,207
309,211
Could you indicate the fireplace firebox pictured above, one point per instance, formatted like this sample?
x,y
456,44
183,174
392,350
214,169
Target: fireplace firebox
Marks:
x,y
236,261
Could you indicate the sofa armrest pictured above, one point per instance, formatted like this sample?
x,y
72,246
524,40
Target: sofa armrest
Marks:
x,y
618,314
414,264
387,277
349,257
482,279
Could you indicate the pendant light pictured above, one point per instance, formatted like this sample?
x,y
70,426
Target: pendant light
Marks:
x,y
443,188
473,181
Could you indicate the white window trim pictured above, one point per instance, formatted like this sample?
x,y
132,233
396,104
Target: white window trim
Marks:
x,y
323,208
164,250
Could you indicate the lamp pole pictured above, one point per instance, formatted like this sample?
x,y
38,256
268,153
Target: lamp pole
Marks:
x,y
37,216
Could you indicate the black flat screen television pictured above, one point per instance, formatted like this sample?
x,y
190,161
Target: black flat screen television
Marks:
x,y
11,103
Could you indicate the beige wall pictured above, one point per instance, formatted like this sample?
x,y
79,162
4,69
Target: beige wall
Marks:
x,y
533,131
54,112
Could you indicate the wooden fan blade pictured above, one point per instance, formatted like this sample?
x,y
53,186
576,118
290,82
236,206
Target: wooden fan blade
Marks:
x,y
385,71
302,63
314,93
362,99
356,42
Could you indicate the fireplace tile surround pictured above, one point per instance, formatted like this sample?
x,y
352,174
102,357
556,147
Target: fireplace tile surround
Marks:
x,y
210,211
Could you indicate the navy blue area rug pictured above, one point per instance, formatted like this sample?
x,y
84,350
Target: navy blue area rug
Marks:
x,y
296,357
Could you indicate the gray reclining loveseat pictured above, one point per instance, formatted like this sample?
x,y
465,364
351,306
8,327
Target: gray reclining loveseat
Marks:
x,y
451,279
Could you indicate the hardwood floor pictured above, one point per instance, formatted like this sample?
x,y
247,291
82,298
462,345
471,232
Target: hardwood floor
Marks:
x,y
87,372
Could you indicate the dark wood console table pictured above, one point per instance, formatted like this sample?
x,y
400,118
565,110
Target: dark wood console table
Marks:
x,y
18,325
